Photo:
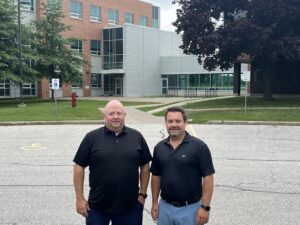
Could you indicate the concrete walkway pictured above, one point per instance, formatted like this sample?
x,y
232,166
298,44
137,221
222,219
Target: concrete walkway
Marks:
x,y
136,116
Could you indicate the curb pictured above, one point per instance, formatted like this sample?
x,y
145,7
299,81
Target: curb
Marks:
x,y
271,123
71,122
101,122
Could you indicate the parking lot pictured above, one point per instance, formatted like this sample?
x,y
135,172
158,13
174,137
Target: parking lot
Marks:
x,y
257,177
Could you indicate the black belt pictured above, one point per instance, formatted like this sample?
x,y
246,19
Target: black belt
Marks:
x,y
181,203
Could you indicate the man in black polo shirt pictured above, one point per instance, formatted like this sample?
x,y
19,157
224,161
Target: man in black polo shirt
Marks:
x,y
114,154
182,170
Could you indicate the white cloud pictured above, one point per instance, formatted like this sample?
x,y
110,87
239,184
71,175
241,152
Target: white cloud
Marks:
x,y
168,15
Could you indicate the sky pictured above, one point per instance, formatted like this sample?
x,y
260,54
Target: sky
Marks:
x,y
167,13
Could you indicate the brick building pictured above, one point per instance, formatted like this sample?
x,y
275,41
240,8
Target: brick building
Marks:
x,y
128,53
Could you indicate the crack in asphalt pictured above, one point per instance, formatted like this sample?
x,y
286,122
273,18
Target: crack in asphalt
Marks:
x,y
260,160
254,190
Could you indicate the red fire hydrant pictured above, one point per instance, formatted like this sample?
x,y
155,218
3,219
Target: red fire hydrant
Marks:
x,y
74,97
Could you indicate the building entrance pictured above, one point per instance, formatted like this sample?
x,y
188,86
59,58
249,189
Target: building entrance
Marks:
x,y
113,84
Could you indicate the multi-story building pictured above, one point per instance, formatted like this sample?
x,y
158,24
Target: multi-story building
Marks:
x,y
128,54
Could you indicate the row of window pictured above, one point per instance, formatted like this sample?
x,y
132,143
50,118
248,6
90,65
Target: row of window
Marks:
x,y
113,15
199,81
29,89
95,47
112,48
76,11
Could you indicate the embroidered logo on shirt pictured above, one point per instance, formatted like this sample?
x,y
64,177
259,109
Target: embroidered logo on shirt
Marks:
x,y
183,156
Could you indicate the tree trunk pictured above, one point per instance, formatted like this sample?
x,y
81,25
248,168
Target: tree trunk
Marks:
x,y
267,78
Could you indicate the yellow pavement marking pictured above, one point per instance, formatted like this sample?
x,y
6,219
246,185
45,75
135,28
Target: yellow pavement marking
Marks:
x,y
34,147
192,129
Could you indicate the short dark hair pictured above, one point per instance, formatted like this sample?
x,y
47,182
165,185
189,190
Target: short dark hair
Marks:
x,y
175,109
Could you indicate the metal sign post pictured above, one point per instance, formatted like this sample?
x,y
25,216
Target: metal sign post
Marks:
x,y
245,76
55,86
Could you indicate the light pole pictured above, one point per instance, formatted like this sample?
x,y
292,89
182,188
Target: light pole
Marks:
x,y
21,104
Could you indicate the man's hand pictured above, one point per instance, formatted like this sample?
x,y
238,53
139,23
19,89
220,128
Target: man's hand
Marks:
x,y
202,216
154,211
82,207
141,199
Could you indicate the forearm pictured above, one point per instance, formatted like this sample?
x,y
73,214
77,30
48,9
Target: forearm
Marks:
x,y
78,180
207,189
155,187
144,178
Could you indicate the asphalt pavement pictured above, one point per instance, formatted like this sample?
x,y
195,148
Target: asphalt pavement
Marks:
x,y
257,178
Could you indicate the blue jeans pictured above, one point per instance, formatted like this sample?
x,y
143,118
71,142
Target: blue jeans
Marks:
x,y
132,217
171,215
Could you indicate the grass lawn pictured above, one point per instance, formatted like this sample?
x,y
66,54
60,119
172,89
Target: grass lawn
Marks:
x,y
239,102
46,110
265,113
280,115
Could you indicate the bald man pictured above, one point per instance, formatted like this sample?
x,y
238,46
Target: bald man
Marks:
x,y
114,154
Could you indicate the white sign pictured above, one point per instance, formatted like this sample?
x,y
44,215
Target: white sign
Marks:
x,y
245,76
55,83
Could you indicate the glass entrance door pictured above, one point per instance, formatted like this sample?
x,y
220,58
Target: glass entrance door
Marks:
x,y
119,86
164,86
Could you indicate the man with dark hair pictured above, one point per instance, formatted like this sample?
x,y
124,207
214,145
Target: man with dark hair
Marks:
x,y
114,154
182,173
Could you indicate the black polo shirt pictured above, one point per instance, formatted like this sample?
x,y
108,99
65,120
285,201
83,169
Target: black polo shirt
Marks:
x,y
181,170
114,167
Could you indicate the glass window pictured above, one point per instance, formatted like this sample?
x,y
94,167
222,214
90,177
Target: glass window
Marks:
x,y
95,14
128,18
113,16
95,80
4,87
119,33
95,47
54,3
193,80
143,21
27,5
76,10
155,17
215,81
172,81
113,48
76,46
182,81
29,89
204,81
77,84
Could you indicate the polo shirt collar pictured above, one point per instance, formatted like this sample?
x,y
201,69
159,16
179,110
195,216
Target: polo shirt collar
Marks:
x,y
123,131
186,138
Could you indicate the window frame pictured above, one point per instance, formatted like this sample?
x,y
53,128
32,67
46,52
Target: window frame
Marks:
x,y
96,52
131,17
78,14
78,44
96,18
142,21
115,20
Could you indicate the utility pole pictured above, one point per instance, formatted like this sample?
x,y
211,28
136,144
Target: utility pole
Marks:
x,y
21,104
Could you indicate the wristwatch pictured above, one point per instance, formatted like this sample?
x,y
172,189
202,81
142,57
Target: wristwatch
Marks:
x,y
143,195
205,207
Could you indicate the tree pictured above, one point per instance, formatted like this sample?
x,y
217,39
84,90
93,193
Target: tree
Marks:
x,y
55,57
221,31
9,49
